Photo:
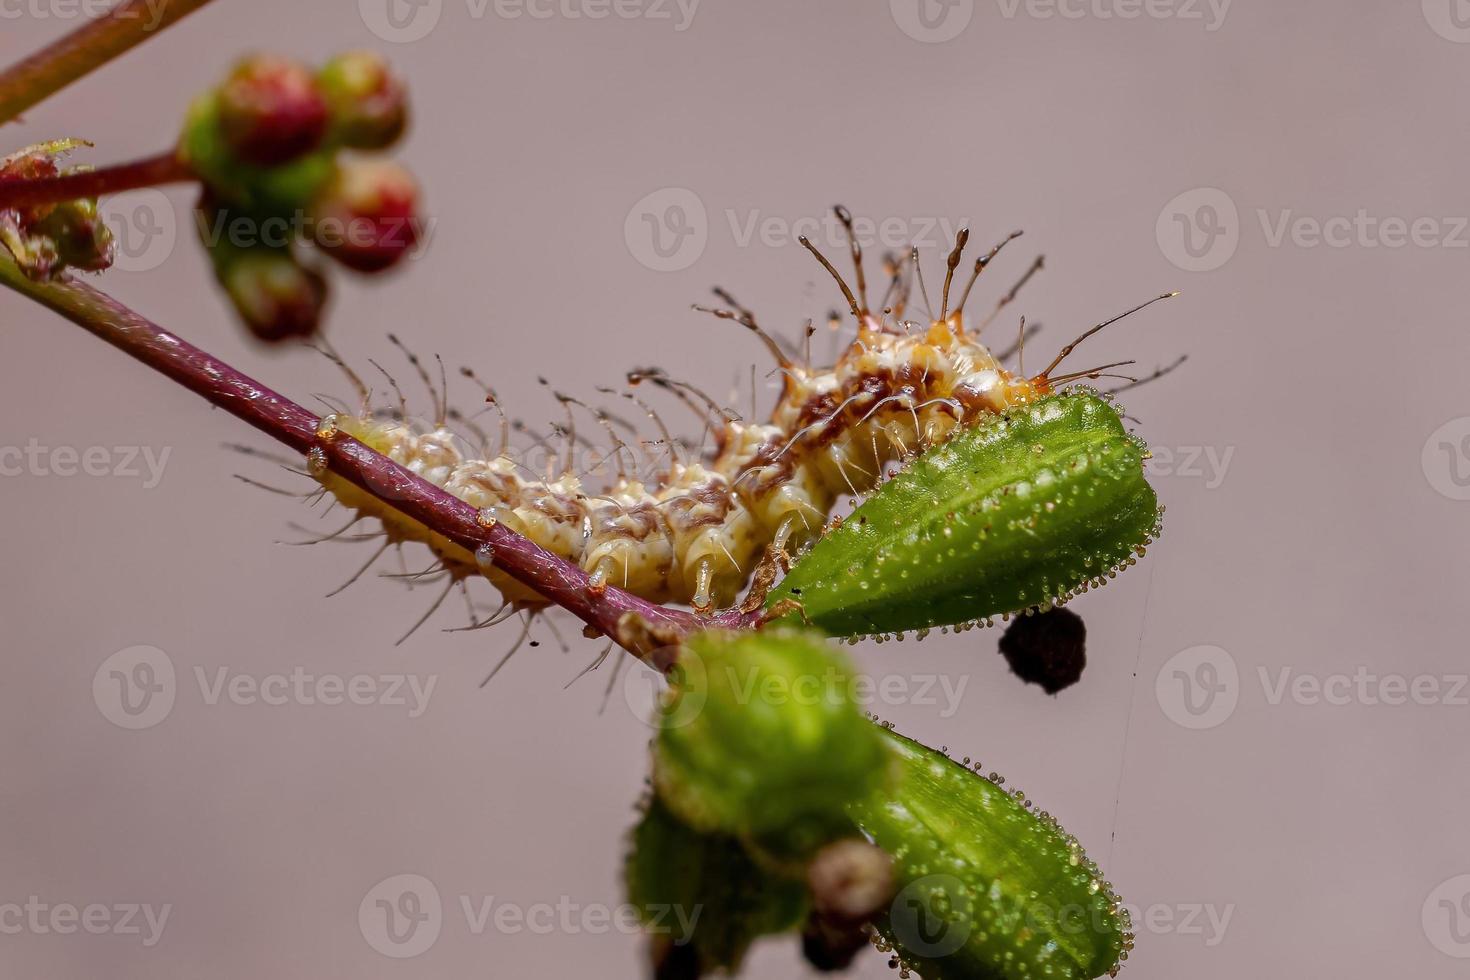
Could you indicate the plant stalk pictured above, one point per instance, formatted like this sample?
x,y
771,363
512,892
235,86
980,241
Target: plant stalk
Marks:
x,y
165,168
90,46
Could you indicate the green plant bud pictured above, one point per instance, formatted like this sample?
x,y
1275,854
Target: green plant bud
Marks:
x,y
703,899
988,887
276,296
284,189
1018,512
367,102
45,240
759,737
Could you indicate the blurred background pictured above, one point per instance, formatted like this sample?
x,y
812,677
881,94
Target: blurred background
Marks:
x,y
1266,750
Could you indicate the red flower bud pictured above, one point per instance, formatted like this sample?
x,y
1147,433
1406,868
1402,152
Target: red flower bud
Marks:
x,y
271,111
367,217
368,103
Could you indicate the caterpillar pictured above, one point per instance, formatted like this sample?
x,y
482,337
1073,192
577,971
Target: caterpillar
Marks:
x,y
694,532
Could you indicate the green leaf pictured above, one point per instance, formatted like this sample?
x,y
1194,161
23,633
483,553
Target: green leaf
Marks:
x,y
988,888
1017,512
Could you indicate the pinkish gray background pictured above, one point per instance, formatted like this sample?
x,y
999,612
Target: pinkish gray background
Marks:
x,y
1234,755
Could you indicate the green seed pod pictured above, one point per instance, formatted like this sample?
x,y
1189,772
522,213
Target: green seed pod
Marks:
x,y
759,738
1022,511
703,899
988,888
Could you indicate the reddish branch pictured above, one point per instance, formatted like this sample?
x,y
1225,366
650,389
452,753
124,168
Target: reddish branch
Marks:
x,y
93,44
166,168
554,577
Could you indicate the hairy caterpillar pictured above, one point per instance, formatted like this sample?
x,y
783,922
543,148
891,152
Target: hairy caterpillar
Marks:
x,y
694,532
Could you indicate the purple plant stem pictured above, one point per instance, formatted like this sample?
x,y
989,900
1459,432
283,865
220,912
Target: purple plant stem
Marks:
x,y
554,577
90,46
165,168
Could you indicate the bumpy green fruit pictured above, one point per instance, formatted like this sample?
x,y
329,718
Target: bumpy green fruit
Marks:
x,y
988,888
1018,512
759,738
701,896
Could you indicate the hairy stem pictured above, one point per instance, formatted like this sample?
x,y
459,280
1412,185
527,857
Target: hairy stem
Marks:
x,y
90,46
165,168
554,577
